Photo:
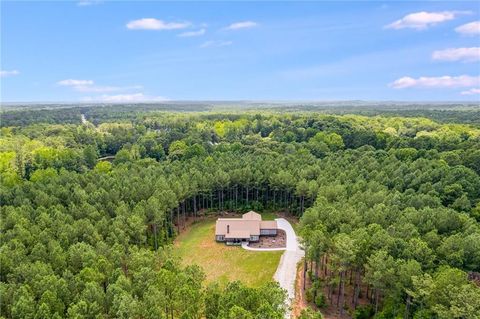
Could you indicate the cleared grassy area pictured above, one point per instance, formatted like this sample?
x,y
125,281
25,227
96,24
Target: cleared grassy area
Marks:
x,y
269,216
224,263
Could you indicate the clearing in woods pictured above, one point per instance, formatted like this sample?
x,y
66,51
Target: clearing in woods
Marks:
x,y
224,263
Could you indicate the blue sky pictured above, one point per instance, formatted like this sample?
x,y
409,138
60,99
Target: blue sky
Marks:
x,y
139,51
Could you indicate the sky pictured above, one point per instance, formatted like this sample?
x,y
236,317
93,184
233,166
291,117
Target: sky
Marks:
x,y
112,51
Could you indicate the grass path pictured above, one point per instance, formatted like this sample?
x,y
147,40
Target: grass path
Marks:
x,y
224,263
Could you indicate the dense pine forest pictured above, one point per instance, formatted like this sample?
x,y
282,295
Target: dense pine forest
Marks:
x,y
388,202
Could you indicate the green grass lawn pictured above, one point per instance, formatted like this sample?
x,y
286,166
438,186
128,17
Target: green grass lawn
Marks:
x,y
269,216
224,263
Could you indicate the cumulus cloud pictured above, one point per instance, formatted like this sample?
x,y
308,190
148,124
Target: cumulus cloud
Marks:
x,y
423,20
241,25
471,92
472,28
124,98
155,24
5,73
89,86
436,82
192,33
458,54
209,44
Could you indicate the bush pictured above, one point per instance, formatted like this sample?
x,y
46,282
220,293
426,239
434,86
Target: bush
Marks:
x,y
309,294
310,275
363,312
310,314
320,300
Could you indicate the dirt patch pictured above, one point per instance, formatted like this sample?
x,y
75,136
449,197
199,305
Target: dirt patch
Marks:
x,y
279,241
288,216
300,302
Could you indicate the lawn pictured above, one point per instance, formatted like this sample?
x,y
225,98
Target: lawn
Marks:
x,y
224,263
269,216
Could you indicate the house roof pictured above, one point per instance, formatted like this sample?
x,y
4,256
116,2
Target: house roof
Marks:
x,y
252,215
249,225
268,224
237,224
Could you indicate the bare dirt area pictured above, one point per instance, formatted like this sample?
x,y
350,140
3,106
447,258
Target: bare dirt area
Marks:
x,y
288,216
300,302
279,241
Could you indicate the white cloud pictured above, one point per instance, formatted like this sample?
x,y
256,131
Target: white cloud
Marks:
x,y
241,25
88,86
104,89
436,82
85,3
458,54
123,98
209,44
471,92
154,24
5,73
472,28
72,82
422,20
192,33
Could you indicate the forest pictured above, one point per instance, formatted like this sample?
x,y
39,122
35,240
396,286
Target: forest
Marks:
x,y
388,203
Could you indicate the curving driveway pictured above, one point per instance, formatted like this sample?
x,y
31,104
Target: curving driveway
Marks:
x,y
287,268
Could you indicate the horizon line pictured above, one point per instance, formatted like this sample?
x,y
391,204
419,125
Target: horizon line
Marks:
x,y
244,101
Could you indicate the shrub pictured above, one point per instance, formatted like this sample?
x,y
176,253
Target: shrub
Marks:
x,y
363,312
309,294
320,300
310,275
308,313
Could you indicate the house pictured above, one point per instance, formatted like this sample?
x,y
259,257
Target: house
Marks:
x,y
246,229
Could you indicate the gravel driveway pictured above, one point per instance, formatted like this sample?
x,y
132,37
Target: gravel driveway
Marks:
x,y
287,268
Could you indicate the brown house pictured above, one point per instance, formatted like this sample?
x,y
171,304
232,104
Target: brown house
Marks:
x,y
246,229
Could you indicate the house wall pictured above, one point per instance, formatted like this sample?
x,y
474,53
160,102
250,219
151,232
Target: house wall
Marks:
x,y
254,238
268,232
231,243
220,238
